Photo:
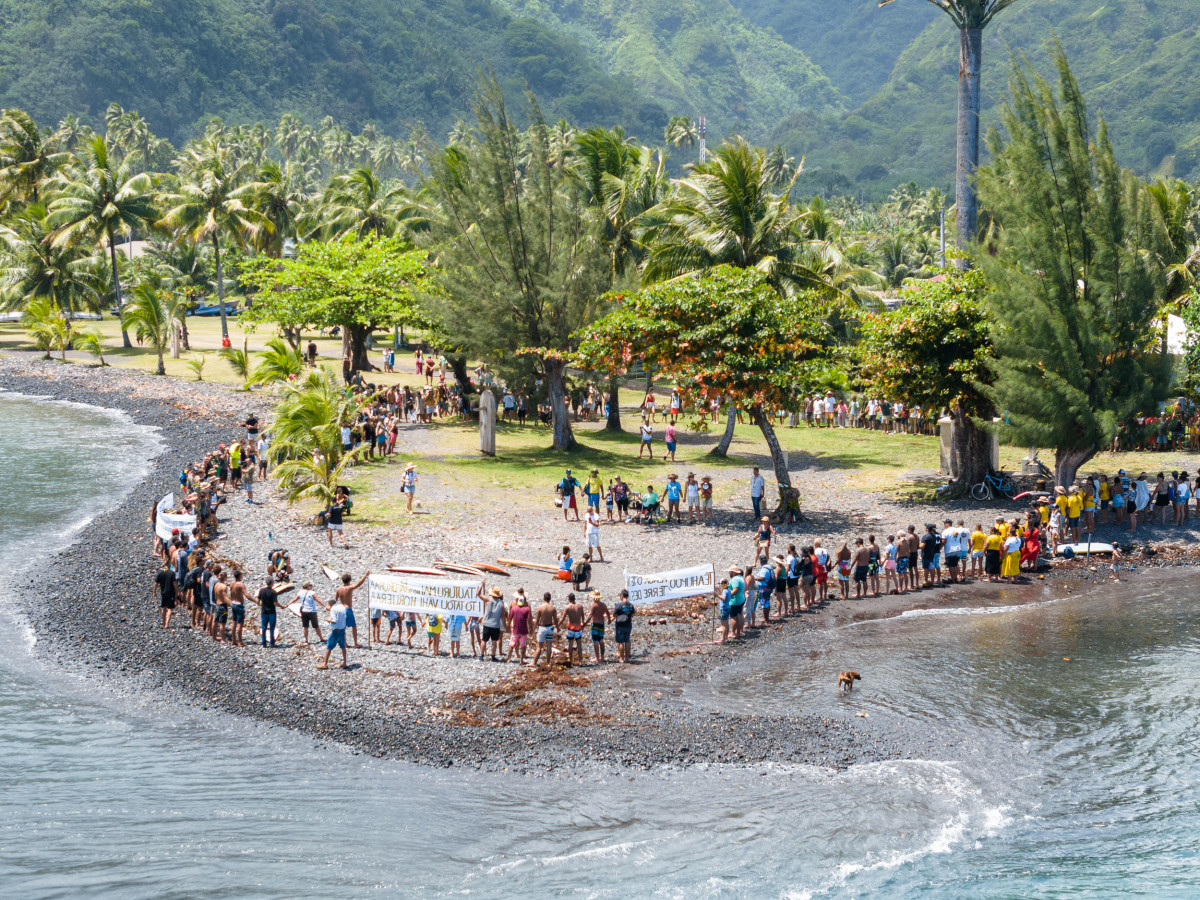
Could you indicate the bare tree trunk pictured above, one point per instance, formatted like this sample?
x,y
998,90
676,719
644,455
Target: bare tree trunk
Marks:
x,y
783,479
1067,463
613,421
112,249
971,449
220,285
556,388
458,365
722,448
356,347
291,334
970,52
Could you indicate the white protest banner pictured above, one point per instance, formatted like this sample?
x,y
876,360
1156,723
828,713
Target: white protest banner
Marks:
x,y
670,585
424,595
165,521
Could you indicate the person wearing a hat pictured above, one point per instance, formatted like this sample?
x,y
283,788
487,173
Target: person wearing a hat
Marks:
x,y
494,619
594,488
409,484
519,615
566,490
1074,512
737,601
762,537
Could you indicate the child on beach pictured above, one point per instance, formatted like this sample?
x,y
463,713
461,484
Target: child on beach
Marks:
x,y
433,633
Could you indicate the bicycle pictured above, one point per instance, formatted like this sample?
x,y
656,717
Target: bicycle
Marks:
x,y
994,484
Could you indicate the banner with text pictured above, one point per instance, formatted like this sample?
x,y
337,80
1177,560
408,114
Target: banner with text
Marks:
x,y
670,585
164,521
424,595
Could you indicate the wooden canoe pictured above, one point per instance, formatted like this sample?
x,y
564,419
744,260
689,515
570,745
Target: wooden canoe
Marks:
x,y
527,565
415,570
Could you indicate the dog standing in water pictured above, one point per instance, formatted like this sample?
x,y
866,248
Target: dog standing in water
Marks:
x,y
846,681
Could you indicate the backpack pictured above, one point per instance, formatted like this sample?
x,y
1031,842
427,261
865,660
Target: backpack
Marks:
x,y
766,582
794,568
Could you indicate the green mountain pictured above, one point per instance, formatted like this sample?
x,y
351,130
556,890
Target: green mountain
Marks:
x,y
867,95
393,62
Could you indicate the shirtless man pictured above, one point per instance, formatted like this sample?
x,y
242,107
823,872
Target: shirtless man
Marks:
x,y
220,607
237,608
545,618
862,565
572,620
598,617
346,594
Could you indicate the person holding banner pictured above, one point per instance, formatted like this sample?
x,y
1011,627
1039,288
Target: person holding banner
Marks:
x,y
345,596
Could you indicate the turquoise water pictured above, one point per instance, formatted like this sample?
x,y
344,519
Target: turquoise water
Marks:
x,y
1057,778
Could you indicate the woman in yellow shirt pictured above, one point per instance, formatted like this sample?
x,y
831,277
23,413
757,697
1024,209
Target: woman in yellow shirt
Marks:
x,y
433,631
1074,510
991,552
1105,490
978,540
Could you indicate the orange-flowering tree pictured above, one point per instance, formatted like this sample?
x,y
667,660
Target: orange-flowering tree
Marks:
x,y
725,332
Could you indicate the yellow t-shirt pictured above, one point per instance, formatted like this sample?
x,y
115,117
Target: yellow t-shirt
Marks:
x,y
1003,526
1074,505
1044,513
1089,500
994,542
433,624
1105,491
1061,502
978,539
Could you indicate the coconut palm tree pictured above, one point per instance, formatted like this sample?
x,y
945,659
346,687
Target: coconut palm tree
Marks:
x,y
48,326
970,17
307,432
287,136
725,213
276,198
212,201
91,340
278,362
32,267
97,200
148,314
359,204
681,131
28,156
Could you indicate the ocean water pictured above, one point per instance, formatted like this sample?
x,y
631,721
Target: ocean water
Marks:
x,y
1058,778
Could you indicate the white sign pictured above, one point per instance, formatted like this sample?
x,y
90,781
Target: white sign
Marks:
x,y
424,595
165,521
671,585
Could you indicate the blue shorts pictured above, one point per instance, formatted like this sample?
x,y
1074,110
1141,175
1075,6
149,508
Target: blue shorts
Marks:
x,y
1073,521
594,500
337,638
929,564
902,564
238,610
764,600
351,622
671,446
724,613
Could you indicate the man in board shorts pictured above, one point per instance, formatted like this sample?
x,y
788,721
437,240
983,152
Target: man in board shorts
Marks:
x,y
545,619
598,616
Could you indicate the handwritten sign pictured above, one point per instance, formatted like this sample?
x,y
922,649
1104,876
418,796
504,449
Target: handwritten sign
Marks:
x,y
671,585
165,521
424,595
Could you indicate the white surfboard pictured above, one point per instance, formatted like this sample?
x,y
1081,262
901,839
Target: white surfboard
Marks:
x,y
1084,549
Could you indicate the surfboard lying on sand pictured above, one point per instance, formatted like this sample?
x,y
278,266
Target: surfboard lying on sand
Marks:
x,y
527,565
415,570
458,569
488,567
294,608
331,574
1032,494
1084,549
284,588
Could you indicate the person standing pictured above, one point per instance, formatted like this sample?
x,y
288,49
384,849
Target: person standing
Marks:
x,y
519,616
592,533
308,610
545,619
706,500
691,492
494,619
623,614
164,585
408,485
669,437
268,613
758,486
345,595
594,488
673,492
333,521
571,621
566,491
337,633
647,441
598,617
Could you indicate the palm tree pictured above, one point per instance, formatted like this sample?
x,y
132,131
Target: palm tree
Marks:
x,y
48,326
31,267
287,136
279,362
212,201
97,200
782,169
147,313
307,431
970,17
28,156
359,204
277,200
681,131
91,340
725,213
239,360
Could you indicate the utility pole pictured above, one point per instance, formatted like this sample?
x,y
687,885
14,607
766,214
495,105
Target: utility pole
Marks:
x,y
942,233
703,132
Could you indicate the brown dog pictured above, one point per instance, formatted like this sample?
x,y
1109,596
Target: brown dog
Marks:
x,y
846,680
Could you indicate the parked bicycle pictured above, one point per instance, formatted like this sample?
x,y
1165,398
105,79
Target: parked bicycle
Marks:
x,y
992,485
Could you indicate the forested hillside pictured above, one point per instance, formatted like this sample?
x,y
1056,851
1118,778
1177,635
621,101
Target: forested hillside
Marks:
x,y
867,95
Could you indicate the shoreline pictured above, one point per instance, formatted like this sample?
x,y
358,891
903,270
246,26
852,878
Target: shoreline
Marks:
x,y
90,609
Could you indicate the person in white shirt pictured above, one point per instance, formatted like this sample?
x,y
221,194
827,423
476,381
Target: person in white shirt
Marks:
x,y
263,447
337,633
951,545
758,486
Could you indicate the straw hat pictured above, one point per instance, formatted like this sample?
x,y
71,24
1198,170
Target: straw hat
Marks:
x,y
410,466
596,595
734,570
766,518
497,593
307,585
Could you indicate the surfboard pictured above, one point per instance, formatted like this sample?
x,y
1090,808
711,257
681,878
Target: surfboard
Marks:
x,y
488,567
1084,549
284,588
294,608
329,573
527,565
415,570
1032,494
459,569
